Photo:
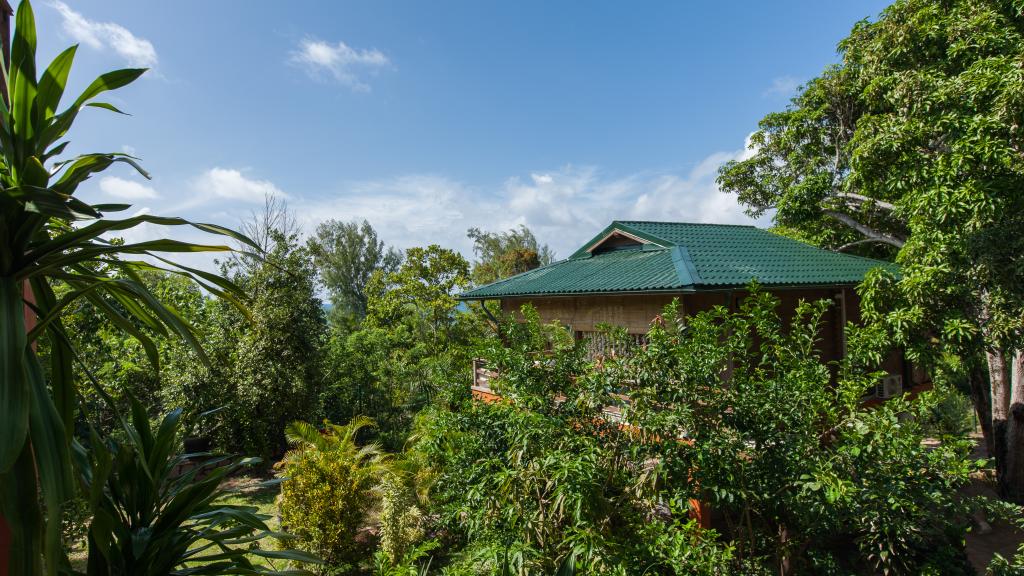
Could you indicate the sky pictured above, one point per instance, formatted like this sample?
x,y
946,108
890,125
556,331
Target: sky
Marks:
x,y
428,118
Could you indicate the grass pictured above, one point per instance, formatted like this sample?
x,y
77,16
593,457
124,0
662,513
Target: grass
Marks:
x,y
248,491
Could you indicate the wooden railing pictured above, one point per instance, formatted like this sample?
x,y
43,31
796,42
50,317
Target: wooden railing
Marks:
x,y
482,378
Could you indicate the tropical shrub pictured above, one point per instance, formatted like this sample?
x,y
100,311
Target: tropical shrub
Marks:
x,y
735,409
150,518
542,483
328,491
401,519
778,443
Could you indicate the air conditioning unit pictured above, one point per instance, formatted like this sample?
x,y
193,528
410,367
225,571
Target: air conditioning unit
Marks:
x,y
889,387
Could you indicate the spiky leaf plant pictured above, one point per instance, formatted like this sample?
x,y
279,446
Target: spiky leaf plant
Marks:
x,y
48,236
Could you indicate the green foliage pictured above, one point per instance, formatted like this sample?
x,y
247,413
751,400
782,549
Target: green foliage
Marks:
x,y
328,490
415,562
151,518
504,254
346,255
541,484
913,143
735,409
413,347
783,448
48,236
401,518
276,359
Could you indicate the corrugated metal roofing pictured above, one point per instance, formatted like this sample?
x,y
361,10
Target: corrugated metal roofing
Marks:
x,y
685,257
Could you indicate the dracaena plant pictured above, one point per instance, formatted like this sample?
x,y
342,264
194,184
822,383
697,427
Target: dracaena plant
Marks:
x,y
50,237
152,519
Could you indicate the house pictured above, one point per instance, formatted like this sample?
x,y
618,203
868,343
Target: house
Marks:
x,y
628,272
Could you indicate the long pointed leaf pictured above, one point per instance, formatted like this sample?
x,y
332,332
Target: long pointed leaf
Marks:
x,y
109,81
55,78
14,388
52,458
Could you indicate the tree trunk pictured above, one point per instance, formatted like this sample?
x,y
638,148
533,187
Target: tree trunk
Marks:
x,y
999,379
981,397
1012,480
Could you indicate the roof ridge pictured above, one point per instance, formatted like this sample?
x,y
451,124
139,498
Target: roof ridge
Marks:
x,y
627,222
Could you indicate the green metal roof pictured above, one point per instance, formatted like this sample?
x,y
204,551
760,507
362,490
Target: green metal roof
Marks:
x,y
683,257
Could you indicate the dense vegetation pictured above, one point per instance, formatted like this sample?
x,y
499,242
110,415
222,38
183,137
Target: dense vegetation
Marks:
x,y
911,147
722,445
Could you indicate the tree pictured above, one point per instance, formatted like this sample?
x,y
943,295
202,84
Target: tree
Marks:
x,y
276,363
504,254
807,478
48,236
413,345
912,144
346,255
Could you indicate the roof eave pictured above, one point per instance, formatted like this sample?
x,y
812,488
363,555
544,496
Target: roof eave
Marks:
x,y
469,297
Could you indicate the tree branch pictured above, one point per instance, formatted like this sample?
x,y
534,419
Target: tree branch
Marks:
x,y
859,242
865,199
867,230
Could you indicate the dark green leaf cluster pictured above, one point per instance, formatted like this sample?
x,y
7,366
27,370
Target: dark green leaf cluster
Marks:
x,y
156,510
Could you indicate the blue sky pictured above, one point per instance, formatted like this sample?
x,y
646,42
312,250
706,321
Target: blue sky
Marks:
x,y
428,118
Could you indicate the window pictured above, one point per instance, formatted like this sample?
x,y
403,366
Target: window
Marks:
x,y
601,344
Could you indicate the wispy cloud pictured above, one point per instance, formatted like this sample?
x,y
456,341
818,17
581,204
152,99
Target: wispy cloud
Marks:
x,y
126,189
338,61
232,184
783,86
107,36
563,207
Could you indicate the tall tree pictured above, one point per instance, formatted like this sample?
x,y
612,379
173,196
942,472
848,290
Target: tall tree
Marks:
x,y
346,255
503,254
912,146
276,369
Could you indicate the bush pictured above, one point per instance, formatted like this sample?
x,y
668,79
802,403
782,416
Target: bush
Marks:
x,y
328,490
735,409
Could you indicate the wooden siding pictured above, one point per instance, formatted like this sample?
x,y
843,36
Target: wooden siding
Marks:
x,y
635,313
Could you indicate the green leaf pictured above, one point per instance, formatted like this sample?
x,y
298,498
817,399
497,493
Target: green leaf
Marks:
x,y
14,391
107,106
62,379
109,81
51,85
294,555
23,72
18,504
53,461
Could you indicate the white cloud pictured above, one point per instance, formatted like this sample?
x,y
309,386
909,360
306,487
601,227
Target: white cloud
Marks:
x,y
233,185
563,207
107,35
783,87
127,189
339,61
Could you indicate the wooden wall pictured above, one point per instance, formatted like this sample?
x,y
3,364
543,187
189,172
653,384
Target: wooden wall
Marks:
x,y
635,313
